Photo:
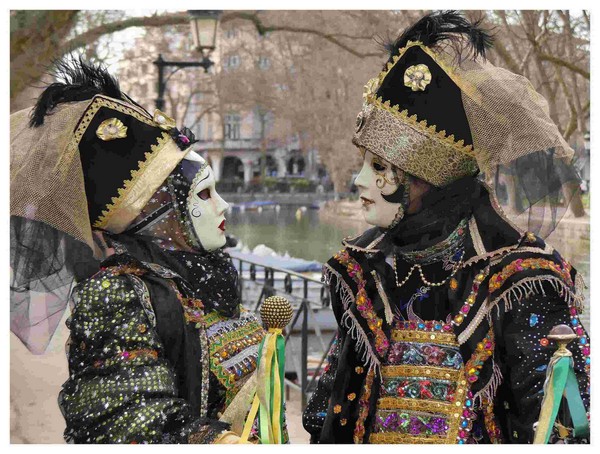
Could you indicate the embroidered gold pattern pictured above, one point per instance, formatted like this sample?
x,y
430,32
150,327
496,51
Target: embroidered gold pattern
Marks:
x,y
414,371
412,145
423,336
396,438
419,402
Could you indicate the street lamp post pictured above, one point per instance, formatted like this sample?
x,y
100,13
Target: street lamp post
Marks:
x,y
203,25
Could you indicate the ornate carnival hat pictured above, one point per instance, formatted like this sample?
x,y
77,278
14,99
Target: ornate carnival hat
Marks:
x,y
85,157
439,111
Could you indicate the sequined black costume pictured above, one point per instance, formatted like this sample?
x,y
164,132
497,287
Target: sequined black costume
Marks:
x,y
146,363
160,346
443,314
466,359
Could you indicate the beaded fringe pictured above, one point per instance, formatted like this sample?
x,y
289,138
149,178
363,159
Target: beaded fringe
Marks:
x,y
341,287
531,286
488,392
363,346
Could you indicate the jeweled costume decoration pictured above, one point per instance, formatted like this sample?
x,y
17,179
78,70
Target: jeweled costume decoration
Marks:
x,y
463,358
159,346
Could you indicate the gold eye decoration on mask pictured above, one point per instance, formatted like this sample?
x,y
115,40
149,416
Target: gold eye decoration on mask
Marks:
x,y
417,77
111,129
381,169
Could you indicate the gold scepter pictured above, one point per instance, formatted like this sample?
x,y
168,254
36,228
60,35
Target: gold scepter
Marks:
x,y
276,312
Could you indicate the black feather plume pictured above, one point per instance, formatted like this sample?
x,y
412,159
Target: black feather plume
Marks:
x,y
77,80
444,26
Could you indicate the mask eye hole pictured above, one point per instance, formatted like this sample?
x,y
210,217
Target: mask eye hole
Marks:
x,y
378,166
204,194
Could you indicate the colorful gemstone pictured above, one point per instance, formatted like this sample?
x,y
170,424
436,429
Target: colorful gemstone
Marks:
x,y
533,319
544,342
337,409
453,284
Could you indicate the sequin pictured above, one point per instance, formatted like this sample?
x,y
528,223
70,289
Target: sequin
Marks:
x,y
533,319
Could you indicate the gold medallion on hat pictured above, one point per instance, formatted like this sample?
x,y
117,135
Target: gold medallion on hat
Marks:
x,y
111,129
417,77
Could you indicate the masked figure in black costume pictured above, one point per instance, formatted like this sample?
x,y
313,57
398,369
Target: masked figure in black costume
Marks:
x,y
102,192
444,307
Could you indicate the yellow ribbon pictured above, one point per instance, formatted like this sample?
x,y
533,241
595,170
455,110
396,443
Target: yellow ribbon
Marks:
x,y
261,399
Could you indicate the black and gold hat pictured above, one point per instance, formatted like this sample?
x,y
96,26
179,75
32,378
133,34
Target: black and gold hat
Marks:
x,y
87,156
440,111
125,156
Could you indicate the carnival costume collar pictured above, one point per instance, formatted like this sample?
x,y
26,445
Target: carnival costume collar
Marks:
x,y
211,276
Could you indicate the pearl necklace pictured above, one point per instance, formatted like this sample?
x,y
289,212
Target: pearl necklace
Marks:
x,y
425,281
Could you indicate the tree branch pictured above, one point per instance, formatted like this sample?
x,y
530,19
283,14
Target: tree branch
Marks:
x,y
560,62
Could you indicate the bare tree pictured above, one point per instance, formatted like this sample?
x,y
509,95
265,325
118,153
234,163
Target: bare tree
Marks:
x,y
320,61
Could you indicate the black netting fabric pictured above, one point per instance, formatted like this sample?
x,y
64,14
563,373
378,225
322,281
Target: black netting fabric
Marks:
x,y
536,190
43,264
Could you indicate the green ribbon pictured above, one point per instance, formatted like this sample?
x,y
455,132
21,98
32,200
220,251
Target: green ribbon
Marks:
x,y
270,390
561,382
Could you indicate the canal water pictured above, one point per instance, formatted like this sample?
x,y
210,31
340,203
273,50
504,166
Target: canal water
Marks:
x,y
292,228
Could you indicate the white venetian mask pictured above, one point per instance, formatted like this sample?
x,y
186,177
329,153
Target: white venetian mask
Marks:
x,y
376,182
205,207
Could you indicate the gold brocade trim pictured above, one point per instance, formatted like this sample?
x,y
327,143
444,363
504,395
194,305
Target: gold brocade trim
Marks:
x,y
429,130
135,192
443,373
397,438
408,147
424,336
